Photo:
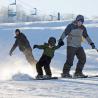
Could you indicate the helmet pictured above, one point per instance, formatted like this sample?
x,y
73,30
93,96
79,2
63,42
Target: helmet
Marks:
x,y
52,41
80,18
17,30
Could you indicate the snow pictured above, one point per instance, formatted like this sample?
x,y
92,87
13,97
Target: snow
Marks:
x,y
16,75
67,88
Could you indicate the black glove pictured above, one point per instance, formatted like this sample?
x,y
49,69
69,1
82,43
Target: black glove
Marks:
x,y
10,53
92,45
60,43
35,46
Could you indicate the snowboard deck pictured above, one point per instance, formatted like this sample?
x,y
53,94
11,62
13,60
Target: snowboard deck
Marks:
x,y
52,78
91,76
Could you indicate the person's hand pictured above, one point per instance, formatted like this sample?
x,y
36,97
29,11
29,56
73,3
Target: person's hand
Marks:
x,y
10,53
92,45
34,46
96,49
60,43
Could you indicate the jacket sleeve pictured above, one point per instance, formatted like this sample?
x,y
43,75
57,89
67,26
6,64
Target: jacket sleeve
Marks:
x,y
40,46
14,46
66,32
86,36
24,38
57,47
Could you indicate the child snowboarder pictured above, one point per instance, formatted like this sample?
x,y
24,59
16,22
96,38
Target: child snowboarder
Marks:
x,y
49,49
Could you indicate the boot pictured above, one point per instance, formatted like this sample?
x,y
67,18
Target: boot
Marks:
x,y
66,75
66,70
80,75
47,76
39,77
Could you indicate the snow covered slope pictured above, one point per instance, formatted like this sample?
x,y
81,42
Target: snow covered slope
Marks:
x,y
16,74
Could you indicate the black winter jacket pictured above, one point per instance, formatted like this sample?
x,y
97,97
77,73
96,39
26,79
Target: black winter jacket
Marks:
x,y
21,42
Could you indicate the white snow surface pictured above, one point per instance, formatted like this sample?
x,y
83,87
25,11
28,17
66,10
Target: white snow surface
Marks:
x,y
17,76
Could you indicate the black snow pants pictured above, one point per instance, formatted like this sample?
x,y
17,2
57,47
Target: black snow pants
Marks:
x,y
80,54
44,62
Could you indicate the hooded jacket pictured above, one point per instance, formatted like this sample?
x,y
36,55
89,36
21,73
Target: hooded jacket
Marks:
x,y
21,42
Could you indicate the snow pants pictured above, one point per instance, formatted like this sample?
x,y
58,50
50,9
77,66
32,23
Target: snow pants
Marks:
x,y
80,54
44,62
29,57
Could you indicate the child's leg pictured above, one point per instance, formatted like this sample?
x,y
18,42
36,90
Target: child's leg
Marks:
x,y
47,66
39,69
48,70
40,64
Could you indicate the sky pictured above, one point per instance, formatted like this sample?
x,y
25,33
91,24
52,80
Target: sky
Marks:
x,y
84,7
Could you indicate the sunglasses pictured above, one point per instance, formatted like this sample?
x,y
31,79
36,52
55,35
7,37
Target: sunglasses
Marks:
x,y
80,20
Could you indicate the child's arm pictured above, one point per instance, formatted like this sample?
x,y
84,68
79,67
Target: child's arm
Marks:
x,y
58,46
39,46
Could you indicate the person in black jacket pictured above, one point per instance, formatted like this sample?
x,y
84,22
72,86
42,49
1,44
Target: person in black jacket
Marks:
x,y
24,46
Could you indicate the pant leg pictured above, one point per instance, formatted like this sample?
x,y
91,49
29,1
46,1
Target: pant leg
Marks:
x,y
39,69
81,60
71,51
29,56
48,70
40,64
47,66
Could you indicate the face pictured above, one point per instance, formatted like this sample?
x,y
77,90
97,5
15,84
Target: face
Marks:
x,y
79,23
52,44
17,33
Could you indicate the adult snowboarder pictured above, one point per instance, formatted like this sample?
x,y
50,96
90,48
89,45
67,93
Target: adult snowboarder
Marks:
x,y
74,32
24,46
49,49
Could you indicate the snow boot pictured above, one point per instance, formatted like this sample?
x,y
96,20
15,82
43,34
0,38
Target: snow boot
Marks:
x,y
39,77
47,76
66,75
80,75
66,70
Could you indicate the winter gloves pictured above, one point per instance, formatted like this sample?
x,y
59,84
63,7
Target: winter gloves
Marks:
x,y
60,43
92,45
35,46
10,53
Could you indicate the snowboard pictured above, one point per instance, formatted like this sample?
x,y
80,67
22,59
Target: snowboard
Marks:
x,y
51,78
88,76
92,76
